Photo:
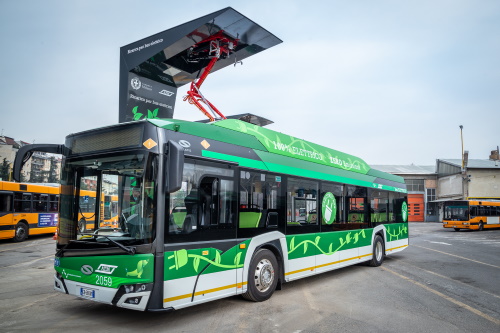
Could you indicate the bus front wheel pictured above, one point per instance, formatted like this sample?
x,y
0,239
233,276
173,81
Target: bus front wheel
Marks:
x,y
262,276
21,232
378,252
481,226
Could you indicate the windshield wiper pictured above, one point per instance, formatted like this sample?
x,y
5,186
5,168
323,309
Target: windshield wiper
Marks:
x,y
129,250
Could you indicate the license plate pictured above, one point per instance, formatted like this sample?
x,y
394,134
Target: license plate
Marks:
x,y
87,293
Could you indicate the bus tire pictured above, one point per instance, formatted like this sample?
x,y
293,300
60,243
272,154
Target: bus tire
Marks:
x,y
82,226
481,226
378,252
21,232
262,276
457,229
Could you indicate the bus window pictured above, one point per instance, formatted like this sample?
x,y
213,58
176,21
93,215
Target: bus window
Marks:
x,y
357,206
40,202
22,202
54,203
333,216
259,202
302,202
5,202
379,201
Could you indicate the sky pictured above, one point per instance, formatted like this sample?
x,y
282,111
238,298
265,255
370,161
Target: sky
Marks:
x,y
387,81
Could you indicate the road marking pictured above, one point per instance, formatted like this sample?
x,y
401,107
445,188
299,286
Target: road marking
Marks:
x,y
454,255
33,303
22,247
28,262
439,243
447,278
448,298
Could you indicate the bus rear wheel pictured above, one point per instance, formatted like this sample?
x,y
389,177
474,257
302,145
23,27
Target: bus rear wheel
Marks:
x,y
378,252
21,232
262,276
82,226
481,226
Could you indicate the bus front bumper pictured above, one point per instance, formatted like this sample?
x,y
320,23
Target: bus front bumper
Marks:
x,y
460,225
119,297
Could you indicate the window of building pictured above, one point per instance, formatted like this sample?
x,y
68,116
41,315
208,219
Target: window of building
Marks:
x,y
415,185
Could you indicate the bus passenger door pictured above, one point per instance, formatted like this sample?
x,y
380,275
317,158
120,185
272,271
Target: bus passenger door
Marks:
x,y
201,249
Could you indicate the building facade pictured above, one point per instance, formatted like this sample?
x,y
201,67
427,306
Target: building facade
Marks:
x,y
421,183
430,186
40,168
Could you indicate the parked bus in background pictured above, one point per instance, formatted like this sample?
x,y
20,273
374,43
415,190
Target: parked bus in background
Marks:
x,y
108,211
27,209
471,214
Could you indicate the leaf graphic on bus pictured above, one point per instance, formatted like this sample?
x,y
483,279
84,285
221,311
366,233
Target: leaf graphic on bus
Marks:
x,y
292,244
155,113
305,247
237,259
348,238
137,116
330,249
316,241
150,114
196,263
356,238
217,257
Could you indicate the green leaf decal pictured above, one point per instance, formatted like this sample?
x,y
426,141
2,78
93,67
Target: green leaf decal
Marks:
x,y
137,116
305,247
292,244
237,259
316,240
217,257
348,238
134,110
150,114
330,249
196,263
155,113
356,238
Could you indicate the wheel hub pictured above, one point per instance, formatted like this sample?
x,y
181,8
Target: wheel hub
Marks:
x,y
264,275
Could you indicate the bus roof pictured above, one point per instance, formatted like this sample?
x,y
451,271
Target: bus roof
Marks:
x,y
281,153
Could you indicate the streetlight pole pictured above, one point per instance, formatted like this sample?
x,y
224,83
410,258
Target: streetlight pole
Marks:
x,y
462,140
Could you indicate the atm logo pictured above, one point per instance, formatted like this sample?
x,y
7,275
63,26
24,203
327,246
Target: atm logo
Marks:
x,y
105,269
166,93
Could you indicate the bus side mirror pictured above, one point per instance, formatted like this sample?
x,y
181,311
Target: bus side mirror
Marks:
x,y
175,166
25,152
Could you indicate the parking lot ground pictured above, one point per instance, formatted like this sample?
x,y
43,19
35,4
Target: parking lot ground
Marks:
x,y
445,281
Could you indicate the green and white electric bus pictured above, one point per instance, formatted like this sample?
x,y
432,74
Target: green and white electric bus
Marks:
x,y
211,210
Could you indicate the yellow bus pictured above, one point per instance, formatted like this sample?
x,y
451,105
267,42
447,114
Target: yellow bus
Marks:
x,y
108,211
27,209
471,214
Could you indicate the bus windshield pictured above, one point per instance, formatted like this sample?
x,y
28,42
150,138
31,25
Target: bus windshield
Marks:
x,y
114,196
456,211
